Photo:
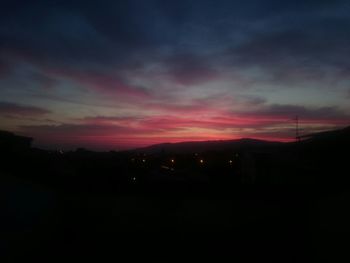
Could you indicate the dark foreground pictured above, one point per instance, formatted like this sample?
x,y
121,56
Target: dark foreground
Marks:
x,y
248,224
275,203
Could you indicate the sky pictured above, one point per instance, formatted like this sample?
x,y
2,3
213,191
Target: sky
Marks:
x,y
111,75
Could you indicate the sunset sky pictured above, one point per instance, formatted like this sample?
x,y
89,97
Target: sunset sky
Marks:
x,y
111,75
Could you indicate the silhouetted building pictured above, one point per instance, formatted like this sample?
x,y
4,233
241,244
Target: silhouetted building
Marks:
x,y
14,143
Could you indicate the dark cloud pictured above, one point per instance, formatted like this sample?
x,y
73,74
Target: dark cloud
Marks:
x,y
5,67
43,80
293,51
14,109
188,69
83,34
321,114
71,33
314,45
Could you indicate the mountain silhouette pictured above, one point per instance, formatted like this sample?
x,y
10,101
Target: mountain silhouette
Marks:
x,y
204,146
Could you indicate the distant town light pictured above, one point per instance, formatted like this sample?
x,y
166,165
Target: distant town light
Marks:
x,y
172,160
144,160
201,161
230,161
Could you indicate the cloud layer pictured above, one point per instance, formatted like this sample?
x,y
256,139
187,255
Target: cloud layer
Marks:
x,y
119,74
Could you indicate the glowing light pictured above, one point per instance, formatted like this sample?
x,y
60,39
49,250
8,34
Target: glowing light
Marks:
x,y
230,161
172,160
201,161
144,160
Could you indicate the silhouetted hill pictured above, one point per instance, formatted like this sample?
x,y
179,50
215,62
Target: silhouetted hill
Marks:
x,y
205,146
12,142
340,135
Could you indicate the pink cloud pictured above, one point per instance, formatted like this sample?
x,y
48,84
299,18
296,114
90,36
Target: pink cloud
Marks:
x,y
272,122
102,82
